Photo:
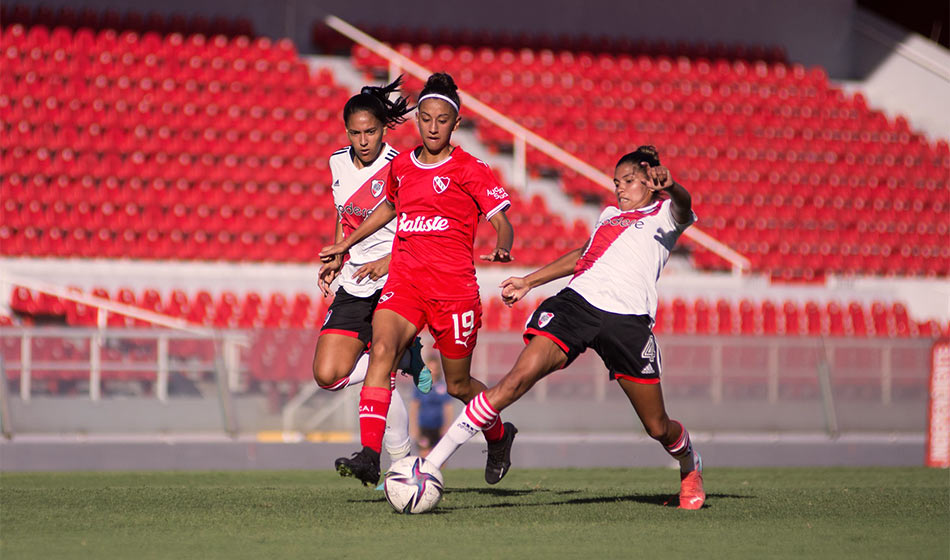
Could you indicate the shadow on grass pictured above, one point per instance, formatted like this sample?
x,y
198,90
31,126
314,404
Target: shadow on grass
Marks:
x,y
499,492
662,500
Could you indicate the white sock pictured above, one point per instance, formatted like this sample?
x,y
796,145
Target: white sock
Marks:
x,y
396,438
473,419
682,451
355,377
358,373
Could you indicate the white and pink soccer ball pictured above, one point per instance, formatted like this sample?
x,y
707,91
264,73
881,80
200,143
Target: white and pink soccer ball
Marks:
x,y
413,485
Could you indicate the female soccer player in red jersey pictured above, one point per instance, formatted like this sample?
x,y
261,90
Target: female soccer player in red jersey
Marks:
x,y
438,191
609,305
360,172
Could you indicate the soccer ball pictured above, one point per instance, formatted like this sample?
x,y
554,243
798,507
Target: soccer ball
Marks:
x,y
413,485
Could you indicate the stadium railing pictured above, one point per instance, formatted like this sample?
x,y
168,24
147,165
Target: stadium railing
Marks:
x,y
522,137
719,383
95,361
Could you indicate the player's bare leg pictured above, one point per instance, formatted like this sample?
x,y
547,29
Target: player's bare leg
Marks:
x,y
537,360
458,378
334,360
392,333
647,400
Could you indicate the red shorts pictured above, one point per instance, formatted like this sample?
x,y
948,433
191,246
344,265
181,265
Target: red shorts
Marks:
x,y
454,324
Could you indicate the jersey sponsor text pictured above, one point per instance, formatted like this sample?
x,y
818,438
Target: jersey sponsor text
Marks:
x,y
422,224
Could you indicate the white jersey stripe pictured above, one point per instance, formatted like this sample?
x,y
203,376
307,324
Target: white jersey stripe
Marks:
x,y
618,271
505,204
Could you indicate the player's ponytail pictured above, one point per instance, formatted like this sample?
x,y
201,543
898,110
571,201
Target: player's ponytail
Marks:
x,y
644,154
375,99
442,86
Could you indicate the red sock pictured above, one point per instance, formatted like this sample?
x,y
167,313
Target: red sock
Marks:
x,y
496,431
374,406
484,415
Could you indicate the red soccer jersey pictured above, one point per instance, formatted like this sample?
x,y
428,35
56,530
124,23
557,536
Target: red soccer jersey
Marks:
x,y
437,208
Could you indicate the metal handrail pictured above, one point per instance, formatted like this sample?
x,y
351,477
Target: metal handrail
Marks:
x,y
225,369
105,304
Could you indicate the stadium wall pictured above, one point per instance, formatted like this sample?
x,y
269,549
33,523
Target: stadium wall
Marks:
x,y
813,32
887,59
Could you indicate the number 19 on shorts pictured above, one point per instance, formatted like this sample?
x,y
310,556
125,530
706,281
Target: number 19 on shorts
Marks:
x,y
464,324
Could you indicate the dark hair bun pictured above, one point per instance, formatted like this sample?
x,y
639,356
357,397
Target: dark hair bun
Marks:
x,y
441,82
648,154
644,154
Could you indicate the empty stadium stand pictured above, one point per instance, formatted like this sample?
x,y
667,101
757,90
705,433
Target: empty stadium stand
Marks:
x,y
121,145
784,167
142,145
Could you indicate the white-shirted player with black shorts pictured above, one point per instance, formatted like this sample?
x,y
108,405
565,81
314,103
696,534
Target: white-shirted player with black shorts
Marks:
x,y
609,306
360,172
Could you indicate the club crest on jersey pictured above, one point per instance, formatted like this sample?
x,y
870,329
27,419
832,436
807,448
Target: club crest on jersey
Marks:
x,y
377,187
545,318
440,184
385,296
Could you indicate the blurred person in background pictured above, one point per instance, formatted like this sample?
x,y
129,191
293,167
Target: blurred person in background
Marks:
x,y
430,414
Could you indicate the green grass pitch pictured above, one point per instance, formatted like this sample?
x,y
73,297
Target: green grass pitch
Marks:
x,y
557,513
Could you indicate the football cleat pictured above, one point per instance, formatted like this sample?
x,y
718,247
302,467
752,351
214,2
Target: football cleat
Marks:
x,y
364,465
413,364
499,455
692,494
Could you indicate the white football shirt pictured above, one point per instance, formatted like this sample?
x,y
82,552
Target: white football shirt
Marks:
x,y
619,270
357,192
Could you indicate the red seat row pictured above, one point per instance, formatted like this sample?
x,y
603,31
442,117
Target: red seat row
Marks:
x,y
698,316
522,44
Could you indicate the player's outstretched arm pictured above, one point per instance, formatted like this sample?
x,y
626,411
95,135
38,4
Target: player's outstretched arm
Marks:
x,y
331,269
660,178
515,288
382,215
505,239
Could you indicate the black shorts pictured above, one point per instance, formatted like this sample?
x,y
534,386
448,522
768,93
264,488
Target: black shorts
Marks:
x,y
350,315
624,342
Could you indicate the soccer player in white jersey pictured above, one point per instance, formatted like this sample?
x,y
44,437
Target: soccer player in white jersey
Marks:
x,y
609,305
360,172
439,192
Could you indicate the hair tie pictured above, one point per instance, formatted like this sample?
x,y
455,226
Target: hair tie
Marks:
x,y
442,97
